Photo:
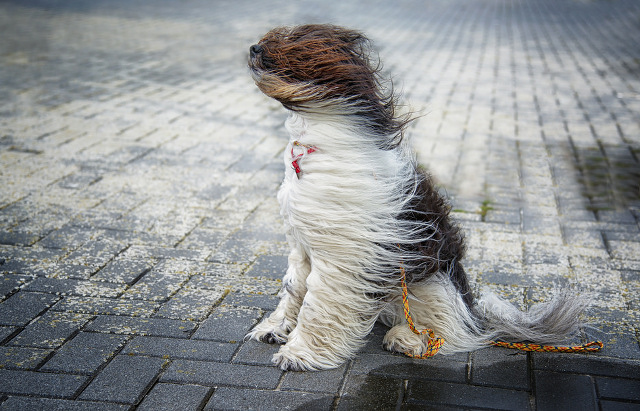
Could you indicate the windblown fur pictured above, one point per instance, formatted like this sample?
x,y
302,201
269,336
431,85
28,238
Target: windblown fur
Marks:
x,y
357,208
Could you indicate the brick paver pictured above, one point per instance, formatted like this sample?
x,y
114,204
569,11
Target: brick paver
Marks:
x,y
140,236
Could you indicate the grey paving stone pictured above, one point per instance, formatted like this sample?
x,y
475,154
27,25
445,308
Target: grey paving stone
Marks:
x,y
73,271
26,403
85,353
271,266
156,286
203,237
5,332
504,216
256,353
625,250
74,287
236,284
626,234
40,384
234,250
173,397
502,368
22,307
107,306
263,301
191,304
31,261
150,253
230,398
540,225
22,358
11,282
123,271
618,388
172,348
217,270
563,391
214,374
618,339
181,267
371,392
327,381
68,237
14,266
606,405
449,368
96,253
51,330
125,379
583,237
20,237
79,181
461,395
159,327
228,324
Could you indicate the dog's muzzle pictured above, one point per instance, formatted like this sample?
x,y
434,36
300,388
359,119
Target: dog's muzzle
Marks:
x,y
255,50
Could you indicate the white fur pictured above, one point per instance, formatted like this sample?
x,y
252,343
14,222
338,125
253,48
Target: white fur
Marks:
x,y
342,204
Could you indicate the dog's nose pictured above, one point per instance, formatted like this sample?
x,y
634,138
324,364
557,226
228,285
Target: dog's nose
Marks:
x,y
255,49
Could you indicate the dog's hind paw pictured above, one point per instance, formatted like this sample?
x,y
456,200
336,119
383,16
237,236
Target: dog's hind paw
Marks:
x,y
402,340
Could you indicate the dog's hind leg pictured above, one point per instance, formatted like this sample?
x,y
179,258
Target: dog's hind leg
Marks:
x,y
435,304
276,327
333,321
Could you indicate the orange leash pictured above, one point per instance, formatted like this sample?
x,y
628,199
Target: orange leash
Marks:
x,y
592,346
434,343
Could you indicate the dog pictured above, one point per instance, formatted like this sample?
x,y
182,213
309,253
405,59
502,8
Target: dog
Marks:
x,y
362,217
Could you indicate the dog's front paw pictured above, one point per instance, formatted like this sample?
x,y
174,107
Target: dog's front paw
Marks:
x,y
271,331
297,355
297,360
288,362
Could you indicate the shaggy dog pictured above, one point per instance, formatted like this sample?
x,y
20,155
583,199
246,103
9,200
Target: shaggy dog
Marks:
x,y
361,215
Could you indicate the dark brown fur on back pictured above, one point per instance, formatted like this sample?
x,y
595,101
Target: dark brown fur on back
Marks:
x,y
445,248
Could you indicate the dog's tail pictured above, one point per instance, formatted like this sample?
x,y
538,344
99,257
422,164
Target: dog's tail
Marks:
x,y
549,322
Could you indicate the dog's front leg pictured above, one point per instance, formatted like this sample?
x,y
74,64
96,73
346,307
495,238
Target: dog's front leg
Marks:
x,y
334,319
276,327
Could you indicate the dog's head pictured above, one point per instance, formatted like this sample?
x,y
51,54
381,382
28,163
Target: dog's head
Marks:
x,y
325,68
304,65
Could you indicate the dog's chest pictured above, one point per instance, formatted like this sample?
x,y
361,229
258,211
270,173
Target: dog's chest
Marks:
x,y
290,188
293,158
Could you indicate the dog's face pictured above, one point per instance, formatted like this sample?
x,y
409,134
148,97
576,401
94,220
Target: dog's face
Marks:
x,y
313,64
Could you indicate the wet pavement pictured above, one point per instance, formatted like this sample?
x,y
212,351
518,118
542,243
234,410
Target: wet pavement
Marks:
x,y
140,238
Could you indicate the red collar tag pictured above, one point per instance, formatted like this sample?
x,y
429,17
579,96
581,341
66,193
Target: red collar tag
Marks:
x,y
295,158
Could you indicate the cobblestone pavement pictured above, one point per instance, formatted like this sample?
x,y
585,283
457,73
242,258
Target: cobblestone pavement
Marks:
x,y
139,231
